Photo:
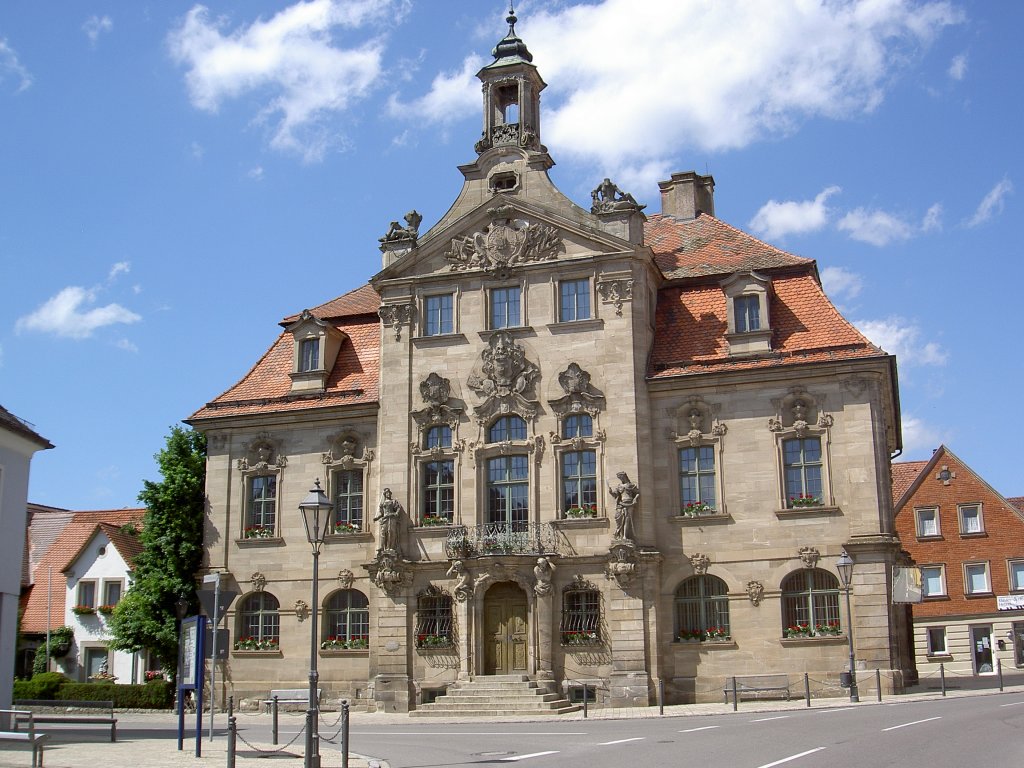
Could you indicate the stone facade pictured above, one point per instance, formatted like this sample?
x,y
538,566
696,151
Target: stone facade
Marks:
x,y
587,420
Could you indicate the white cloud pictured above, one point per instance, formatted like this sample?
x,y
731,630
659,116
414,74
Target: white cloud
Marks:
x,y
66,315
452,95
126,345
777,219
95,25
932,221
736,72
899,337
840,283
292,61
992,204
256,173
920,438
11,67
121,267
958,67
875,227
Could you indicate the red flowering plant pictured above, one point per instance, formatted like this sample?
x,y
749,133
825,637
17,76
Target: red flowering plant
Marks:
x,y
805,500
799,630
430,520
831,628
83,610
256,644
342,643
716,633
429,640
694,508
258,532
581,510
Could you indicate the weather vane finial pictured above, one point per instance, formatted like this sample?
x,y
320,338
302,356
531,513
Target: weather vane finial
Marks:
x,y
511,19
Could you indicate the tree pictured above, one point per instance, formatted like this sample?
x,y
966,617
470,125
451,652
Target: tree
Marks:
x,y
172,547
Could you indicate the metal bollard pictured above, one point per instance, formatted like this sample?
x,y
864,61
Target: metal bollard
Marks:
x,y
878,682
661,697
942,677
735,698
231,705
807,688
586,696
344,733
999,668
232,732
273,722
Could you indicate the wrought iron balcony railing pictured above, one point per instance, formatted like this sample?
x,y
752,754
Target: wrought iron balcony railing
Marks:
x,y
501,539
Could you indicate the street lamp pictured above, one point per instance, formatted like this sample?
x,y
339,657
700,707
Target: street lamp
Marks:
x,y
845,567
316,511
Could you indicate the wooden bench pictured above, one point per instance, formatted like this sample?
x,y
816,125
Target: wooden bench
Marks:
x,y
756,684
16,738
291,696
69,717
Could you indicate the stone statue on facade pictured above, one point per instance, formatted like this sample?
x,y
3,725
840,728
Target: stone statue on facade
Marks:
x,y
410,231
607,197
626,495
543,571
463,587
388,516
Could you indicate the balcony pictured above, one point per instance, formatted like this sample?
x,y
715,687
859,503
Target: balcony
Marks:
x,y
501,539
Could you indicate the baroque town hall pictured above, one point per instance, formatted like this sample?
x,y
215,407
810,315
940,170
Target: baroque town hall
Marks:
x,y
562,444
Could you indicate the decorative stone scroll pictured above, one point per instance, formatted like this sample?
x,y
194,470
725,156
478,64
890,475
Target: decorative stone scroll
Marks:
x,y
755,591
258,581
700,563
695,422
389,572
504,244
436,393
346,578
396,315
579,395
301,610
622,563
503,379
344,452
797,413
809,556
615,291
262,455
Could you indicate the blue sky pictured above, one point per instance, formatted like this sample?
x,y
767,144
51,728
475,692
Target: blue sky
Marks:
x,y
175,178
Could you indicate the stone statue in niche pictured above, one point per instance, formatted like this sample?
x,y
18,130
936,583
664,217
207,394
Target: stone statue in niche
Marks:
x,y
388,517
463,587
607,197
626,495
543,571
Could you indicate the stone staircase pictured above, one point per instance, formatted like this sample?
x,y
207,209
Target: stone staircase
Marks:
x,y
494,696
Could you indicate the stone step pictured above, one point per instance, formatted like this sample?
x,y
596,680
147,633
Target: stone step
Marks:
x,y
476,696
424,711
498,685
517,706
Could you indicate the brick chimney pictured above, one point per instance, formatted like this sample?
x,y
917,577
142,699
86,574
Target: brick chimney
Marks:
x,y
686,194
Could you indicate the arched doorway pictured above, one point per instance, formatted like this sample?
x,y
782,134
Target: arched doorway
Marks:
x,y
505,630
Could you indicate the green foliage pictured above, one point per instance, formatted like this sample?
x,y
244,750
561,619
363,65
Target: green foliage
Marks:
x,y
61,636
47,684
25,689
158,694
39,661
172,546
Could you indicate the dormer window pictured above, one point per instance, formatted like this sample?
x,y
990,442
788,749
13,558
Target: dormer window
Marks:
x,y
749,331
316,346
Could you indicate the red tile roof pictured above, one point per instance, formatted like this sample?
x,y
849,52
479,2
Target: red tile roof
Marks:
x,y
1017,501
904,473
266,388
70,542
362,301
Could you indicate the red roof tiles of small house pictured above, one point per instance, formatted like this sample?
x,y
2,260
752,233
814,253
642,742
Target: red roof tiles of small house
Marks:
x,y
64,549
362,301
1017,501
266,388
904,473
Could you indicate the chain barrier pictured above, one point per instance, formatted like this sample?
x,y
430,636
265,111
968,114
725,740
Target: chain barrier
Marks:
x,y
263,751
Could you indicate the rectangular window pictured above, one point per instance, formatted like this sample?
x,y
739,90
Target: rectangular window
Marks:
x,y
579,481
801,457
309,355
262,503
505,307
976,579
927,522
348,501
581,617
111,592
87,594
748,313
438,491
438,315
95,661
1017,575
574,301
508,491
936,641
970,519
932,582
697,478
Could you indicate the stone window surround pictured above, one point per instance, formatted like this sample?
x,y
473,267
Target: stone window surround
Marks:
x,y
94,583
563,445
917,523
556,296
486,290
827,504
1018,585
531,447
748,283
988,579
350,463
716,442
425,293
417,500
103,591
942,577
981,519
246,476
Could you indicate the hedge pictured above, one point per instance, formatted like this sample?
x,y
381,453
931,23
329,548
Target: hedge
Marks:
x,y
156,694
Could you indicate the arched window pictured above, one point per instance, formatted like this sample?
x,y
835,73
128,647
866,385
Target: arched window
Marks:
x,y
507,428
702,608
259,623
581,617
439,436
346,620
810,603
434,621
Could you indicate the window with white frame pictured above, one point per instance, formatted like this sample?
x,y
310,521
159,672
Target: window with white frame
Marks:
x,y
261,506
810,598
702,608
506,307
346,621
976,580
579,482
347,485
933,581
802,465
747,310
438,491
1016,575
438,315
309,355
508,477
112,592
259,623
574,300
697,478
927,521
970,519
86,595
936,641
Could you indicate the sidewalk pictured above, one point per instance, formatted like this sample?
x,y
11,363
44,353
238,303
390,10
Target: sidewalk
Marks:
x,y
150,739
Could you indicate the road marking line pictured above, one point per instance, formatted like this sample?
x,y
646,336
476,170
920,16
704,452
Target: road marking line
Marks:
x,y
702,728
1012,704
523,757
620,741
792,757
916,722
766,719
466,733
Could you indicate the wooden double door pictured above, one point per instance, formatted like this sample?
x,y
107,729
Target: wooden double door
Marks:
x,y
505,630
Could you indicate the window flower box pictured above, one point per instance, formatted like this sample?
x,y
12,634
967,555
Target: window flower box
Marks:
x,y
826,630
428,641
83,610
580,637
582,511
258,532
695,508
256,644
716,634
804,500
798,630
429,521
343,528
691,635
335,643
106,610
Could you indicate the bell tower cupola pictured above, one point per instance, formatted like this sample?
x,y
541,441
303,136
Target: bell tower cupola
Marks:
x,y
511,90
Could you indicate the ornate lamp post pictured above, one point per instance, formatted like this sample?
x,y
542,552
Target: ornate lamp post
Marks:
x,y
845,567
316,512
